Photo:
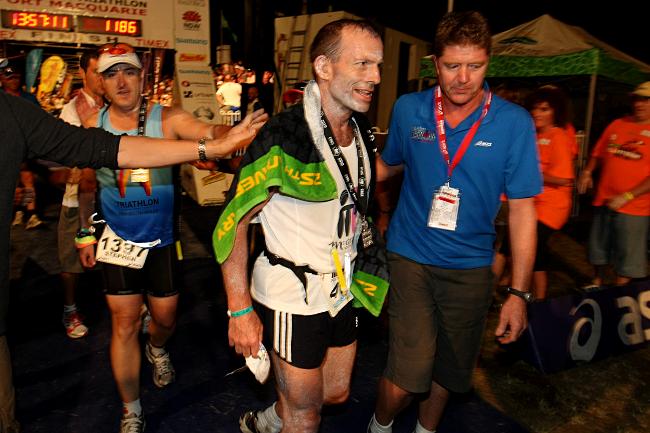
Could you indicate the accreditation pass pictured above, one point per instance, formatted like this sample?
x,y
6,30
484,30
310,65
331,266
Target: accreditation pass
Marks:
x,y
444,208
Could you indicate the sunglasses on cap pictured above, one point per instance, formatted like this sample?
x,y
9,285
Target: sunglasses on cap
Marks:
x,y
116,48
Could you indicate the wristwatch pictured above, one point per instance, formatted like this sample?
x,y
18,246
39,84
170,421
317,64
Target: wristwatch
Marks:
x,y
526,296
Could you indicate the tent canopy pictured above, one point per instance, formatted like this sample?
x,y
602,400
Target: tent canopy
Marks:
x,y
547,47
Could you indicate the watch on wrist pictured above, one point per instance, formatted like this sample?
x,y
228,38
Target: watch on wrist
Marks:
x,y
526,296
201,149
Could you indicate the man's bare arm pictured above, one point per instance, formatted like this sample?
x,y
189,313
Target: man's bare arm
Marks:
x,y
523,240
245,331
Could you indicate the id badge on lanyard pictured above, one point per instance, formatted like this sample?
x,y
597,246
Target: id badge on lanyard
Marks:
x,y
444,208
443,213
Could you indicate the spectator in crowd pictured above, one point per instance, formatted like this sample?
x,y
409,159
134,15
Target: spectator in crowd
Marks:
x,y
459,148
25,198
79,190
619,230
28,130
138,209
295,294
229,93
549,109
267,92
253,103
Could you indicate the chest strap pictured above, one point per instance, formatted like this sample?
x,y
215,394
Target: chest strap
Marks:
x,y
298,271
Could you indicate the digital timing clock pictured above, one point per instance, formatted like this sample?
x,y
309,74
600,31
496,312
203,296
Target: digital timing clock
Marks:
x,y
109,26
36,20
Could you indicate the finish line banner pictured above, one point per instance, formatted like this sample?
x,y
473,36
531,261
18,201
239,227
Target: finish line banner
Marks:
x,y
566,331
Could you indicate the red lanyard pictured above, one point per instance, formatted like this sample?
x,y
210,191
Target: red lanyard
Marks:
x,y
442,137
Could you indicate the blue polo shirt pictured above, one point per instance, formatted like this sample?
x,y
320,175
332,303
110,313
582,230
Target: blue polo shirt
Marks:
x,y
501,158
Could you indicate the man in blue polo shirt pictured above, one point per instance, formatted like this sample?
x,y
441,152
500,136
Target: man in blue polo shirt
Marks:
x,y
460,147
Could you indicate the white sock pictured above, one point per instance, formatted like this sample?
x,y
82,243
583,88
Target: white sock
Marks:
x,y
157,351
375,427
132,407
67,309
268,420
420,429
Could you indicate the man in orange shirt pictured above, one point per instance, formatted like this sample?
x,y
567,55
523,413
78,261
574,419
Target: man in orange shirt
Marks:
x,y
619,231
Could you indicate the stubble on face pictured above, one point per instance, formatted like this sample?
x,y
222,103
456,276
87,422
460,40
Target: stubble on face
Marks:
x,y
461,73
356,72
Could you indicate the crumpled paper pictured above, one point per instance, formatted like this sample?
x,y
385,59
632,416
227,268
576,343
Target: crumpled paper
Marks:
x,y
260,366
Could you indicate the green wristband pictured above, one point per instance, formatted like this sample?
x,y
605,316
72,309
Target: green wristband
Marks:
x,y
240,312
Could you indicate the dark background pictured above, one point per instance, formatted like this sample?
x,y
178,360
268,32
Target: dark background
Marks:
x,y
621,24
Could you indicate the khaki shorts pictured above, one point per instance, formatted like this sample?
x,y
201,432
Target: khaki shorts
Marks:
x,y
437,319
67,230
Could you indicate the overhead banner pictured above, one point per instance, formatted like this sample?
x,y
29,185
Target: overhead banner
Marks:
x,y
196,90
141,23
192,31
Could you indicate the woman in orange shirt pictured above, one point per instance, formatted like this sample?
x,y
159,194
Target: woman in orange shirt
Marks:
x,y
548,107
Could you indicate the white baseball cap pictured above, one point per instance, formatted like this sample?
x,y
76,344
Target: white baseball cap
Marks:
x,y
111,55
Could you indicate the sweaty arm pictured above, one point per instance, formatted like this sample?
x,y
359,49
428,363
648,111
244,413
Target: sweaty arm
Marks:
x,y
522,224
245,331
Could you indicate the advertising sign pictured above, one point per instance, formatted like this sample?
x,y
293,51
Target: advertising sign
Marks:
x,y
568,330
196,91
192,32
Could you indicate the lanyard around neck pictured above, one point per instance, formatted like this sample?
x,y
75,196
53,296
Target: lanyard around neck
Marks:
x,y
439,115
360,200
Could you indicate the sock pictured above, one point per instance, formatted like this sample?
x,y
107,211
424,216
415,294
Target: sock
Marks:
x,y
67,309
268,420
132,407
375,427
157,351
420,429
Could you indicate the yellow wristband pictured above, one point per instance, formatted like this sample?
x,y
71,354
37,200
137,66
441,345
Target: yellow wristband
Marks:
x,y
628,195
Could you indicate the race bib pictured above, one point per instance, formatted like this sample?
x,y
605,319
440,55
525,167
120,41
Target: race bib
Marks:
x,y
337,298
114,250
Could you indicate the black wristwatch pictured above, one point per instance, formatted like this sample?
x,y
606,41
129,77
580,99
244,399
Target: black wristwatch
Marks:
x,y
526,296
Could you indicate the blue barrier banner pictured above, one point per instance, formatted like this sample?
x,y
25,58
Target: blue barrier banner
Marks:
x,y
568,330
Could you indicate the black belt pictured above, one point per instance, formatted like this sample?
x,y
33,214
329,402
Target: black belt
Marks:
x,y
298,271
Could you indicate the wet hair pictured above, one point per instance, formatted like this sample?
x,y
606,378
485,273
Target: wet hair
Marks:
x,y
328,39
556,99
86,57
462,28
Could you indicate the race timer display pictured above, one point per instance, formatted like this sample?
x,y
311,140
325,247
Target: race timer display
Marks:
x,y
109,26
30,20
36,21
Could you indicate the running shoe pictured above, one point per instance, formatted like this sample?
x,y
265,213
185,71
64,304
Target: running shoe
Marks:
x,y
248,422
33,222
18,218
132,423
163,370
74,327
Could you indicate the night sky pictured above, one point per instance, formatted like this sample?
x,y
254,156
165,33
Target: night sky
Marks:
x,y
621,24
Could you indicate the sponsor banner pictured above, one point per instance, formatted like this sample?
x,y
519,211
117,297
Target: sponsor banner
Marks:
x,y
141,23
566,331
192,31
196,90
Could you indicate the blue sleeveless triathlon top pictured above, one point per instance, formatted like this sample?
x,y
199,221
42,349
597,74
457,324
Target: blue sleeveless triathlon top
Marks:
x,y
136,211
